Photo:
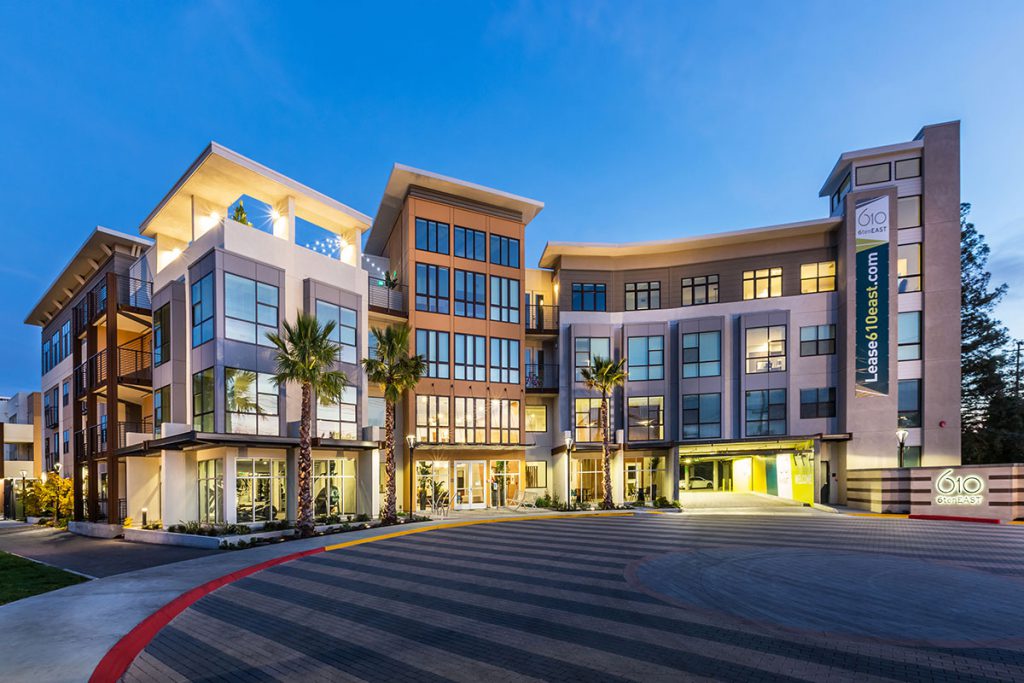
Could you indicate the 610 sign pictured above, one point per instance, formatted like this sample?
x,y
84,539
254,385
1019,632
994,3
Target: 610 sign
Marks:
x,y
959,490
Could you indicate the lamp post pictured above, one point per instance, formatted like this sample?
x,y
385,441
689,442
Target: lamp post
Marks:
x,y
901,436
56,498
24,509
410,442
569,443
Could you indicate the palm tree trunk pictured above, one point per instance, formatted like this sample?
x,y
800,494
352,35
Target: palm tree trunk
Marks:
x,y
390,514
305,506
607,503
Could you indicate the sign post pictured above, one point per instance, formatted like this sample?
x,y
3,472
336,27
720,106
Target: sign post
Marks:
x,y
872,283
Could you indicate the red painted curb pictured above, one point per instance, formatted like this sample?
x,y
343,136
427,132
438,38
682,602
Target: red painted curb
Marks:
x,y
953,518
117,660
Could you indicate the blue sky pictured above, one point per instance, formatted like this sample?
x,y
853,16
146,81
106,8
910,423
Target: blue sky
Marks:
x,y
630,120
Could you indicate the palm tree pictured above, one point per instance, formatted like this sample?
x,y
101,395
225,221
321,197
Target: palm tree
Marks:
x,y
396,372
603,376
306,355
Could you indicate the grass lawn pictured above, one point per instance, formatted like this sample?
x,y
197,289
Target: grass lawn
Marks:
x,y
20,578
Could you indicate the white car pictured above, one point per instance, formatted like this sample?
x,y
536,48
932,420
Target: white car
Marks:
x,y
700,483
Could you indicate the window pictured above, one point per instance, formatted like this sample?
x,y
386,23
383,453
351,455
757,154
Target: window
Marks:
x,y
587,296
162,335
344,333
588,349
646,418
818,277
65,393
587,480
909,404
908,168
588,411
766,349
700,290
202,400
504,299
431,236
46,357
261,490
250,310
431,288
641,296
702,354
536,475
911,456
471,244
161,408
909,333
506,482
65,338
432,419
766,412
876,173
338,421
646,358
433,346
250,403
471,357
470,420
536,418
702,416
376,408
505,360
840,193
504,421
505,251
470,295
818,402
764,283
818,340
211,491
202,310
908,267
334,487
908,212
67,441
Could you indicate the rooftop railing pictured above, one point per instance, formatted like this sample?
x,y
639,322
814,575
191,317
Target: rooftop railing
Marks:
x,y
393,300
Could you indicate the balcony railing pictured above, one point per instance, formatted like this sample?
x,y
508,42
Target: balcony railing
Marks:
x,y
134,366
92,441
542,377
51,417
131,293
393,300
541,318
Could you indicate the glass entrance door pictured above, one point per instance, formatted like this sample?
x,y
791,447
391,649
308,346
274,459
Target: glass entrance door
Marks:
x,y
470,485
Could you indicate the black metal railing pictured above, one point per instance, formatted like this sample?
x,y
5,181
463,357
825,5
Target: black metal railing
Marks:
x,y
542,377
131,293
393,300
145,426
135,361
134,293
51,417
541,318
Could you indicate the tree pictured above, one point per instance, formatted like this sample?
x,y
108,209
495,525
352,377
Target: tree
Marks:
x,y
306,355
395,372
239,215
603,376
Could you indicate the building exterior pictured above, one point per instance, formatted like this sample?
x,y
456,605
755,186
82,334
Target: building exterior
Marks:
x,y
765,360
21,446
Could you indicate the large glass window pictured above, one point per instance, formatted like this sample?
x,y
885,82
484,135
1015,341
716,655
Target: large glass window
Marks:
x,y
646,358
588,296
471,357
764,283
702,354
376,408
818,340
702,416
643,477
471,244
504,299
344,333
537,419
818,402
431,236
431,484
250,403
470,295
250,309
505,251
766,412
818,277
334,487
433,346
700,290
507,474
909,403
646,418
338,420
908,212
642,296
875,173
431,288
587,350
587,422
908,267
162,335
202,400
161,408
504,421
432,419
587,480
202,310
505,360
261,487
536,474
211,491
470,420
909,332
766,349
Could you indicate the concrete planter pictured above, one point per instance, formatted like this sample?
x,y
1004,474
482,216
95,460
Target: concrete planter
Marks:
x,y
196,541
96,529
36,520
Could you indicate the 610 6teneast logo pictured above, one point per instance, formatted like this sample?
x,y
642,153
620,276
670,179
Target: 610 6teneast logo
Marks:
x,y
959,490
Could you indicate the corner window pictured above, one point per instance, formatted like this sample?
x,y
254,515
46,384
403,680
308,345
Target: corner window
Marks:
x,y
818,402
908,168
589,296
700,290
470,295
642,296
766,349
536,419
587,349
433,347
470,244
431,288
909,403
505,360
875,173
908,267
338,420
702,416
505,251
646,418
202,310
764,283
250,403
908,212
162,335
161,408
431,236
766,412
504,299
818,340
818,277
471,357
909,334
646,358
702,354
344,333
202,401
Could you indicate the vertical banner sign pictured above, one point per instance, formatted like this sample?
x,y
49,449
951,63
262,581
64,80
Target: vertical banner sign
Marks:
x,y
872,218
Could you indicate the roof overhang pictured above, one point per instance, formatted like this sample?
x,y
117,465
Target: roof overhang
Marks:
x,y
403,177
97,248
844,160
192,440
219,176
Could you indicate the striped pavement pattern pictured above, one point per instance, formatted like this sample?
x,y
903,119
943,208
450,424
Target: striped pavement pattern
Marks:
x,y
559,600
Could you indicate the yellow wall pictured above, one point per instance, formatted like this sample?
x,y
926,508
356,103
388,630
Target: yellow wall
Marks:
x,y
759,480
742,474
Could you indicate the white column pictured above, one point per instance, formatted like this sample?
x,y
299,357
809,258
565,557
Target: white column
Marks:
x,y
368,482
619,476
230,485
284,224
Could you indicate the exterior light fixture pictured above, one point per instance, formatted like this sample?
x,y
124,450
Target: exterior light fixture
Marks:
x,y
145,513
411,440
569,443
901,437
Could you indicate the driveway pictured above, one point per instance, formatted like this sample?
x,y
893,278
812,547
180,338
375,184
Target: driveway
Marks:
x,y
729,501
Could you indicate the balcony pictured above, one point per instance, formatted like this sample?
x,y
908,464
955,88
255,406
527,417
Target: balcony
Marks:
x,y
134,367
132,295
388,300
541,319
91,442
542,379
51,417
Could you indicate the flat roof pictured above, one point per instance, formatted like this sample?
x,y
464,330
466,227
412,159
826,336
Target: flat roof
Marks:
x,y
220,175
403,177
554,250
846,158
101,243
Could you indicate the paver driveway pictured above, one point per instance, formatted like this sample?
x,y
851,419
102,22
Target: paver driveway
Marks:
x,y
646,598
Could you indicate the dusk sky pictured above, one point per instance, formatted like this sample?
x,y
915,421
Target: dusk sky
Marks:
x,y
631,121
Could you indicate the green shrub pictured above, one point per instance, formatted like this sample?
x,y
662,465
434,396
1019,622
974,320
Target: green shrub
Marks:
x,y
663,502
362,517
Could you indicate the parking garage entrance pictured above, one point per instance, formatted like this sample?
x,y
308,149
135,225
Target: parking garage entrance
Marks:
x,y
783,468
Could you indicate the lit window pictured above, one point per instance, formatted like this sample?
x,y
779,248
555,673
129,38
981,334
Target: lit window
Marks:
x,y
432,419
588,411
763,283
536,475
504,421
818,277
766,349
470,420
908,267
536,418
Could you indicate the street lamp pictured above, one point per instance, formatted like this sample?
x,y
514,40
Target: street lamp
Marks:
x,y
24,509
901,436
569,443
